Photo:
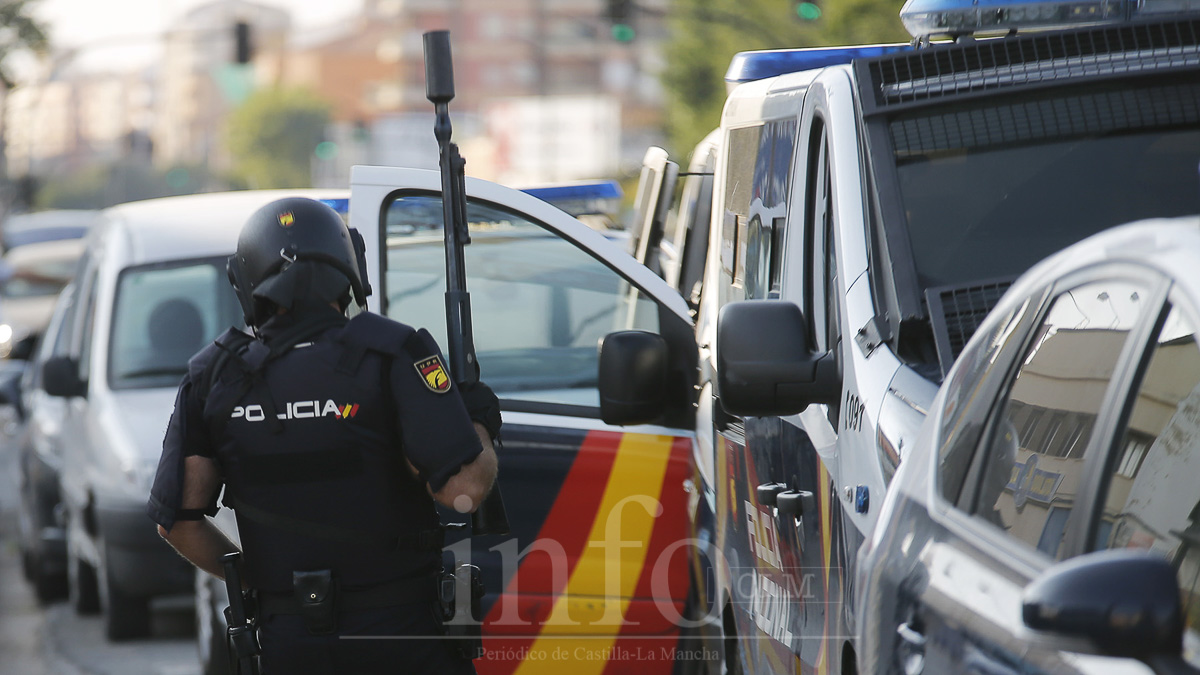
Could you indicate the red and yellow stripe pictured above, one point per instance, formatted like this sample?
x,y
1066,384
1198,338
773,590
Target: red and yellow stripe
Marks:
x,y
611,531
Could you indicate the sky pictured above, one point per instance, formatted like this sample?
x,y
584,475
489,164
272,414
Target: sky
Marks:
x,y
113,33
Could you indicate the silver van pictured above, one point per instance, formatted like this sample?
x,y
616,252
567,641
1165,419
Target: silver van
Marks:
x,y
150,292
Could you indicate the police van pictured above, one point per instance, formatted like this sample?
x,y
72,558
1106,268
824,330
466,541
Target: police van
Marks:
x,y
870,206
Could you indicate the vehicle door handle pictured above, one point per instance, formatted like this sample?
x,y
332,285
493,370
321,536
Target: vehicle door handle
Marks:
x,y
911,636
767,492
911,648
795,503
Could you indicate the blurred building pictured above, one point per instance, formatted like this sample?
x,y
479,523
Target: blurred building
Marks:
x,y
545,91
200,81
76,119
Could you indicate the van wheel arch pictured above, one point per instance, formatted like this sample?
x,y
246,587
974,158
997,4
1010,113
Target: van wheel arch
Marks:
x,y
849,659
730,647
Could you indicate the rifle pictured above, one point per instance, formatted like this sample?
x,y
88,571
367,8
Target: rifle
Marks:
x,y
490,517
242,629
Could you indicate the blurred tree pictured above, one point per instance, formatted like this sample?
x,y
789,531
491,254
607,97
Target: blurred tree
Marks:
x,y
18,31
125,181
707,33
272,137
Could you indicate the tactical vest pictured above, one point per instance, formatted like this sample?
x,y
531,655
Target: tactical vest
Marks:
x,y
312,462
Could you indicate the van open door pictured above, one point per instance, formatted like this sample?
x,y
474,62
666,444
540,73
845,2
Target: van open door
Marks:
x,y
596,566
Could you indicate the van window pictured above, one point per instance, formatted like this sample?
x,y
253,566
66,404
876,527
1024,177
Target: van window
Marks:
x,y
163,315
539,304
756,184
989,187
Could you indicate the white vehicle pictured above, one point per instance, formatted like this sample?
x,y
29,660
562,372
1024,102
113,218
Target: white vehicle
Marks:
x,y
151,291
1054,481
871,205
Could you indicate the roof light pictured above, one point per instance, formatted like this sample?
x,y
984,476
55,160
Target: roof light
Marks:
x,y
926,18
594,197
757,65
936,18
342,206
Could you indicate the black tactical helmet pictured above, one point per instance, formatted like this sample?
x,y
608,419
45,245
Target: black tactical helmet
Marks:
x,y
296,250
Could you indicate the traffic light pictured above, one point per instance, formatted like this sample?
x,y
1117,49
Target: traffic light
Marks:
x,y
243,50
620,14
806,11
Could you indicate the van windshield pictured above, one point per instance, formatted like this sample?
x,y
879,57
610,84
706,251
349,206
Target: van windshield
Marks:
x,y
990,188
163,315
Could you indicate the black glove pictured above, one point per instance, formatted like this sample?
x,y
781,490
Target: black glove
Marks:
x,y
482,406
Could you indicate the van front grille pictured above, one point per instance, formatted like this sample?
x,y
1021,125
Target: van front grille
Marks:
x,y
956,313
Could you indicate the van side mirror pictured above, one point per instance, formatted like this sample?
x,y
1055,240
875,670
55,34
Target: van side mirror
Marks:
x,y
765,364
1125,602
633,377
60,377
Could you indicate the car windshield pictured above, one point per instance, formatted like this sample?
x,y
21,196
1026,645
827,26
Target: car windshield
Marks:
x,y
163,315
989,188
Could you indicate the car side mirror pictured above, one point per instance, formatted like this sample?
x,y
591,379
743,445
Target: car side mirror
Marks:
x,y
23,349
1126,602
765,364
633,377
60,377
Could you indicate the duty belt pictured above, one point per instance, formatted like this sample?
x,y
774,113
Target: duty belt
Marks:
x,y
411,591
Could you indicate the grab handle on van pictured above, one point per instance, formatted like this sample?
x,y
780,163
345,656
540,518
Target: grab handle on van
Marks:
x,y
795,503
767,492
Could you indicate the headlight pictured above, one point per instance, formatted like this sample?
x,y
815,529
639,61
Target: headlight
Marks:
x,y
6,340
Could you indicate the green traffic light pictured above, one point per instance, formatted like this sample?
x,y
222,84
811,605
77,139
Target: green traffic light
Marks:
x,y
808,11
326,150
623,32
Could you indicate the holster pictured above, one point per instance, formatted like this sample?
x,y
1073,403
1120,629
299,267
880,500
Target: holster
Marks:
x,y
316,595
459,595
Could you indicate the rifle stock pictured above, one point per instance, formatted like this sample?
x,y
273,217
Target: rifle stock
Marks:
x,y
490,517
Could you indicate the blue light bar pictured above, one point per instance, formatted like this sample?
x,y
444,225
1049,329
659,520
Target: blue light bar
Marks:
x,y
938,18
342,206
593,197
606,189
758,65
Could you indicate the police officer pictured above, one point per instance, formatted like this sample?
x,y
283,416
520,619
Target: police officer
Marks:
x,y
333,438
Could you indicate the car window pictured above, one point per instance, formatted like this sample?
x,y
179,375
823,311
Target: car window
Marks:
x,y
961,423
539,304
162,316
1040,440
86,320
1151,496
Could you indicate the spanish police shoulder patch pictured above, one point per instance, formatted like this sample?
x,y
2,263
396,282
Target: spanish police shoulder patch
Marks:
x,y
433,374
